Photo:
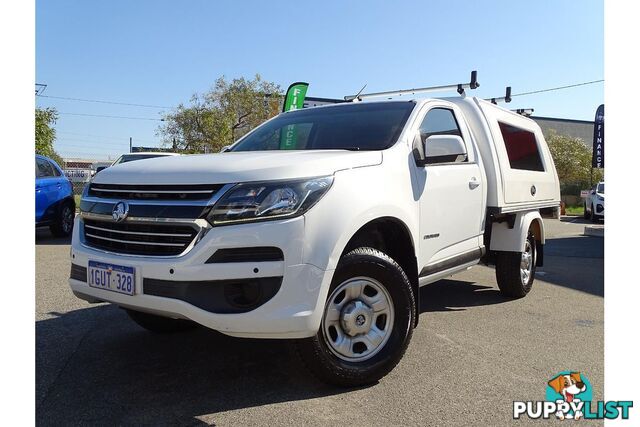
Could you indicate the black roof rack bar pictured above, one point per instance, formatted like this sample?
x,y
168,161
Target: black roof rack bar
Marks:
x,y
473,84
524,111
506,98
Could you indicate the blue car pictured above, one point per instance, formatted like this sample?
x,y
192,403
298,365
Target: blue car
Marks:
x,y
55,206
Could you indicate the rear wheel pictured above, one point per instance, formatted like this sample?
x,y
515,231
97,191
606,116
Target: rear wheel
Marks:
x,y
515,271
159,324
367,321
586,211
594,218
63,223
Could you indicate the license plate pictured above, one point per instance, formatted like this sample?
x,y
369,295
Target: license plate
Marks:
x,y
116,278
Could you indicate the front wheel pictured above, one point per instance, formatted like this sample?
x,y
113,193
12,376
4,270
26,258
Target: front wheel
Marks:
x,y
63,223
515,271
367,321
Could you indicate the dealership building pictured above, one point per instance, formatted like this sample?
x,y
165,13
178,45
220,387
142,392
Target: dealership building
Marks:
x,y
582,129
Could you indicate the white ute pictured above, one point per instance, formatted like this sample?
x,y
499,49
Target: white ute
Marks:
x,y
320,225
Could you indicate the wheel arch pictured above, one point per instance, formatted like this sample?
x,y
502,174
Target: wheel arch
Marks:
x,y
53,210
68,199
509,236
392,236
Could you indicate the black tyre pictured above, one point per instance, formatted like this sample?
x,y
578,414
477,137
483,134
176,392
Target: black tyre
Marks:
x,y
367,322
63,223
515,271
586,211
159,324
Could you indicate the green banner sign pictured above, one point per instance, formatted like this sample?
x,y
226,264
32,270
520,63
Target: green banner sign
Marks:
x,y
293,100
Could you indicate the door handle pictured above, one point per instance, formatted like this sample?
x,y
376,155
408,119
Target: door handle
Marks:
x,y
474,183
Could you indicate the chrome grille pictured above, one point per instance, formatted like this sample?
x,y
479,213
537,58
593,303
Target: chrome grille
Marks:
x,y
153,192
139,238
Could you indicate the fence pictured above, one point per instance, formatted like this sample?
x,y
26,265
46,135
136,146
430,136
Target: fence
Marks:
x,y
80,171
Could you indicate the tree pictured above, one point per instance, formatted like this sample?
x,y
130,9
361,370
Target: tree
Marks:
x,y
572,158
46,133
222,115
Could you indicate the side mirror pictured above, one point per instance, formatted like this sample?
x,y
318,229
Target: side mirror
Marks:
x,y
444,149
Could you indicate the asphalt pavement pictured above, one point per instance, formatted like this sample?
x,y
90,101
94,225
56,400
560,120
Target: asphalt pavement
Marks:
x,y
473,353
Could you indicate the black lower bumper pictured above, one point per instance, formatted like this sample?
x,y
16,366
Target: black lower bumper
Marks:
x,y
217,296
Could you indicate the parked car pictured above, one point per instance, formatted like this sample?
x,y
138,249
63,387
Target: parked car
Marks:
x,y
130,157
55,206
594,203
320,225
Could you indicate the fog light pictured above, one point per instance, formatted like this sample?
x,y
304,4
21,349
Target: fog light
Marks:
x,y
243,295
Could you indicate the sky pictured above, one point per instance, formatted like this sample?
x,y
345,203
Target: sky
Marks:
x,y
158,53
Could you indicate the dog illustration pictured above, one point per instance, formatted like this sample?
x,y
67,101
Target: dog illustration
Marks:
x,y
568,386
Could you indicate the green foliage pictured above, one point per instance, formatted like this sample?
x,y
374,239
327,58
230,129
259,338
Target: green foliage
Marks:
x,y
572,158
575,210
220,116
46,133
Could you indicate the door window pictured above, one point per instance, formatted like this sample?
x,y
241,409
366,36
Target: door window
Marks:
x,y
56,171
439,121
44,169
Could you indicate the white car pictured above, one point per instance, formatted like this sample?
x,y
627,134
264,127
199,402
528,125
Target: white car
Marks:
x,y
320,225
594,203
131,157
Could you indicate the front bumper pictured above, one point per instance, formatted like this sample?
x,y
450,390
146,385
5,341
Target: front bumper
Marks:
x,y
293,312
599,209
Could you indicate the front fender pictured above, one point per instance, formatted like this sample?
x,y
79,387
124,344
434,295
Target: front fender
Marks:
x,y
357,197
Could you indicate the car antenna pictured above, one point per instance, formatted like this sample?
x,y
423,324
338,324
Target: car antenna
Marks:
x,y
357,95
460,87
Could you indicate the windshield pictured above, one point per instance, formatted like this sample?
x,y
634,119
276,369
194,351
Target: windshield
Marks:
x,y
600,188
354,126
131,157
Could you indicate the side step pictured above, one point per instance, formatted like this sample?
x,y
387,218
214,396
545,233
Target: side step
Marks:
x,y
456,261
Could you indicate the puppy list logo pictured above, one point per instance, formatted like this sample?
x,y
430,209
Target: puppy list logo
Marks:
x,y
569,396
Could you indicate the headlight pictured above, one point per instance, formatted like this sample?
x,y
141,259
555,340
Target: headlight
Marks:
x,y
268,200
601,198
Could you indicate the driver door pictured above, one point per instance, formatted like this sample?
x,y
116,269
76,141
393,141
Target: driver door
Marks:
x,y
451,202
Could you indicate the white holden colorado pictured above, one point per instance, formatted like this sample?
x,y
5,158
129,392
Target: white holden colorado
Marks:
x,y
321,225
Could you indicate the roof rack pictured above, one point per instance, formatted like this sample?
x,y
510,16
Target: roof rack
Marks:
x,y
40,87
460,87
506,98
524,111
